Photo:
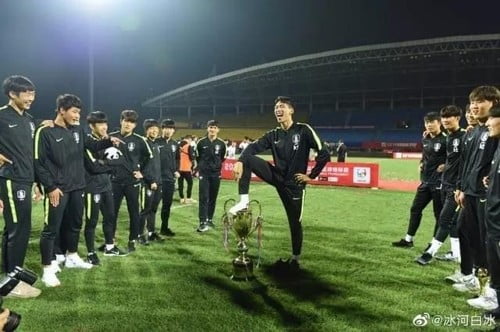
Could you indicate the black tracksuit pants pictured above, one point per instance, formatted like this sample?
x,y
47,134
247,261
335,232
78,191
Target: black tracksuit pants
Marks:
x,y
189,179
424,195
448,217
17,215
131,193
66,218
472,234
291,195
151,200
207,196
93,204
168,188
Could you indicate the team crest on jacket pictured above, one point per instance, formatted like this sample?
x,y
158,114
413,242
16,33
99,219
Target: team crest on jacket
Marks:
x,y
21,195
455,143
174,147
296,141
32,127
437,146
149,192
97,198
76,136
217,148
131,146
484,136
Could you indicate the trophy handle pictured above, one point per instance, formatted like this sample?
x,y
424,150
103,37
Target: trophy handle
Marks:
x,y
256,203
229,202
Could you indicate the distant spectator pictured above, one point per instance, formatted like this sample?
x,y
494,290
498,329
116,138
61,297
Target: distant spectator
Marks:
x,y
231,151
341,152
243,145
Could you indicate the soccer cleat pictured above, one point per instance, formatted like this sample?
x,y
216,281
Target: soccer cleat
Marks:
x,y
167,232
241,205
455,277
210,223
143,240
75,262
425,259
131,246
93,259
190,201
50,279
402,244
202,228
23,291
182,201
484,302
156,237
467,284
448,257
102,247
115,251
54,265
60,258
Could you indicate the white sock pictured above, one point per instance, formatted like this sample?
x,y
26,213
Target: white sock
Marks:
x,y
72,255
435,245
48,270
244,199
295,257
455,246
408,238
109,246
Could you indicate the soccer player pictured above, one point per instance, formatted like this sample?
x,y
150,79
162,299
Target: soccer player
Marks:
x,y
492,219
127,177
211,152
471,194
152,190
17,128
450,119
187,156
431,166
59,165
98,193
169,159
290,144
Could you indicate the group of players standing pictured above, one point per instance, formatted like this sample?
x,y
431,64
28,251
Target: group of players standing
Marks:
x,y
460,174
76,172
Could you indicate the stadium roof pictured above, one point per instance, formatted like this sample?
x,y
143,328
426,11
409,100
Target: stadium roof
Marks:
x,y
419,72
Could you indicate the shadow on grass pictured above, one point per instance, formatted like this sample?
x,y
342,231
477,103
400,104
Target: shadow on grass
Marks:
x,y
248,299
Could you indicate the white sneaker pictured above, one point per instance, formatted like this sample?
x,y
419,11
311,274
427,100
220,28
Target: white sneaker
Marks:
x,y
455,277
484,302
241,205
467,284
23,291
54,265
75,262
49,279
60,259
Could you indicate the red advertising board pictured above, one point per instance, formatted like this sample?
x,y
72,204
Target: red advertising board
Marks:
x,y
334,174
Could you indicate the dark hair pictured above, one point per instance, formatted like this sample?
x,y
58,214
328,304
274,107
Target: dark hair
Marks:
x,y
212,123
168,123
17,84
129,115
148,123
285,100
67,101
450,110
495,112
97,117
432,116
485,92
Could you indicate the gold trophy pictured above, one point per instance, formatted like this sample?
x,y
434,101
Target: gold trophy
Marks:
x,y
483,277
243,224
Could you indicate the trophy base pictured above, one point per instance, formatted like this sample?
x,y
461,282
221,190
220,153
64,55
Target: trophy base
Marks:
x,y
242,269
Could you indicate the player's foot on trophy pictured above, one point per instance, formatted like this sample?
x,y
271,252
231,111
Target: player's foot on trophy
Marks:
x,y
241,205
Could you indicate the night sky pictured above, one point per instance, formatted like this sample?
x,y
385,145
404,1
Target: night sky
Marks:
x,y
146,47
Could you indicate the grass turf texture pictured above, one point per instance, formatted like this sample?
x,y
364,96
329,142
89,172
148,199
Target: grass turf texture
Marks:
x,y
352,279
